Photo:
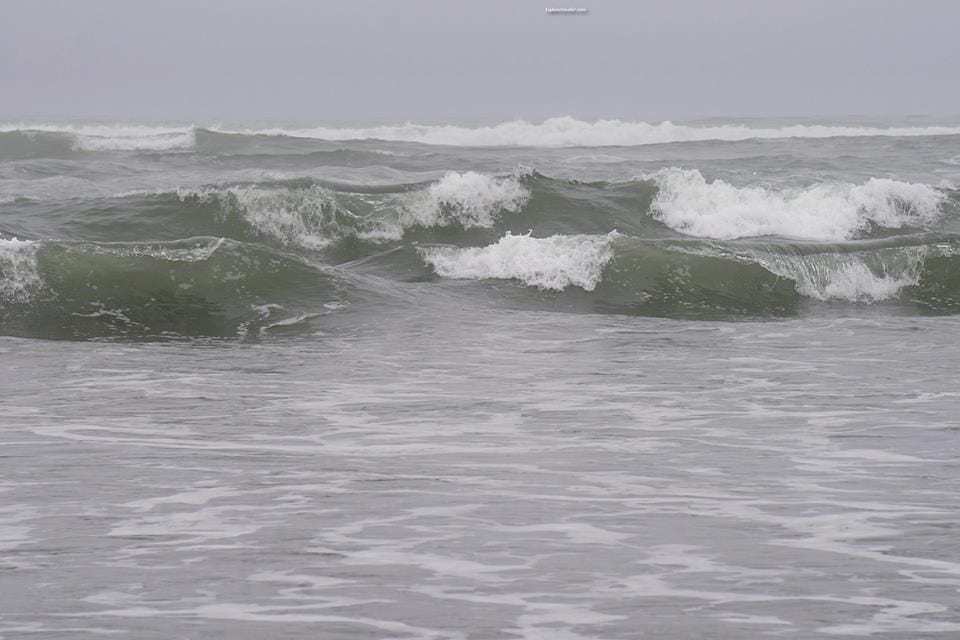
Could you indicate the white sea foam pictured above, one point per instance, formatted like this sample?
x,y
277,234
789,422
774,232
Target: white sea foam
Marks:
x,y
857,282
562,131
469,199
570,132
688,203
19,273
854,281
547,263
314,217
868,277
303,217
120,137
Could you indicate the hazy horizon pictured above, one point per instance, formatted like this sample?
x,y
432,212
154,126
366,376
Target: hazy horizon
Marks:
x,y
427,61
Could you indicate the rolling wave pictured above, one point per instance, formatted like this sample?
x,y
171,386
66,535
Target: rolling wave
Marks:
x,y
37,140
230,259
192,287
671,277
674,201
688,203
571,132
556,262
313,216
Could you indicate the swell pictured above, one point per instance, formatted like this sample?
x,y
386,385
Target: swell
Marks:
x,y
551,133
25,140
306,215
226,260
571,132
195,287
717,280
22,145
472,208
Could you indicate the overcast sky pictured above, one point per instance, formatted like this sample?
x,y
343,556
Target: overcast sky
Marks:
x,y
338,61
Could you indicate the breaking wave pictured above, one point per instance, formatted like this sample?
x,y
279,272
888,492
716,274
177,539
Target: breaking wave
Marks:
x,y
309,217
688,203
871,274
18,265
571,132
238,259
691,278
193,287
468,199
554,263
314,217
37,139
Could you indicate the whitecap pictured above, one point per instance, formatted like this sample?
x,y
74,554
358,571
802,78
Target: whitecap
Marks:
x,y
469,199
688,203
566,131
554,263
116,137
19,271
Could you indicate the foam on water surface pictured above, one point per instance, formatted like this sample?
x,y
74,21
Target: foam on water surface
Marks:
x,y
571,132
563,131
688,202
19,274
555,263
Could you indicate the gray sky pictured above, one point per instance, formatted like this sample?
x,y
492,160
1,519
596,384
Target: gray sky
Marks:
x,y
338,61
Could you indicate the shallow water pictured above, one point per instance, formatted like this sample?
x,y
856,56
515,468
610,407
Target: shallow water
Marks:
x,y
553,475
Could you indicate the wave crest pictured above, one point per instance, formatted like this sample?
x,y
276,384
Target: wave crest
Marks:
x,y
688,203
120,137
196,286
315,217
468,199
308,217
566,131
19,276
554,263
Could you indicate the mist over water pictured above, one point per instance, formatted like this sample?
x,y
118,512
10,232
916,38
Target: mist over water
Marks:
x,y
537,379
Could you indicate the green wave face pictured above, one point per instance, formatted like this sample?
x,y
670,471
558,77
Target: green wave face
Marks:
x,y
724,280
713,280
244,258
347,221
655,279
938,287
197,287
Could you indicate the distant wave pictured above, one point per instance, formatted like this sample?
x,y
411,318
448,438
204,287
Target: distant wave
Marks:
x,y
554,132
570,132
90,137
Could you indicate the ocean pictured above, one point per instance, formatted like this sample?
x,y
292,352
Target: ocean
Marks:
x,y
562,380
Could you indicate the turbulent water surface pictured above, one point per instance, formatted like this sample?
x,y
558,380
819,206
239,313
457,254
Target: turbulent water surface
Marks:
x,y
532,380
